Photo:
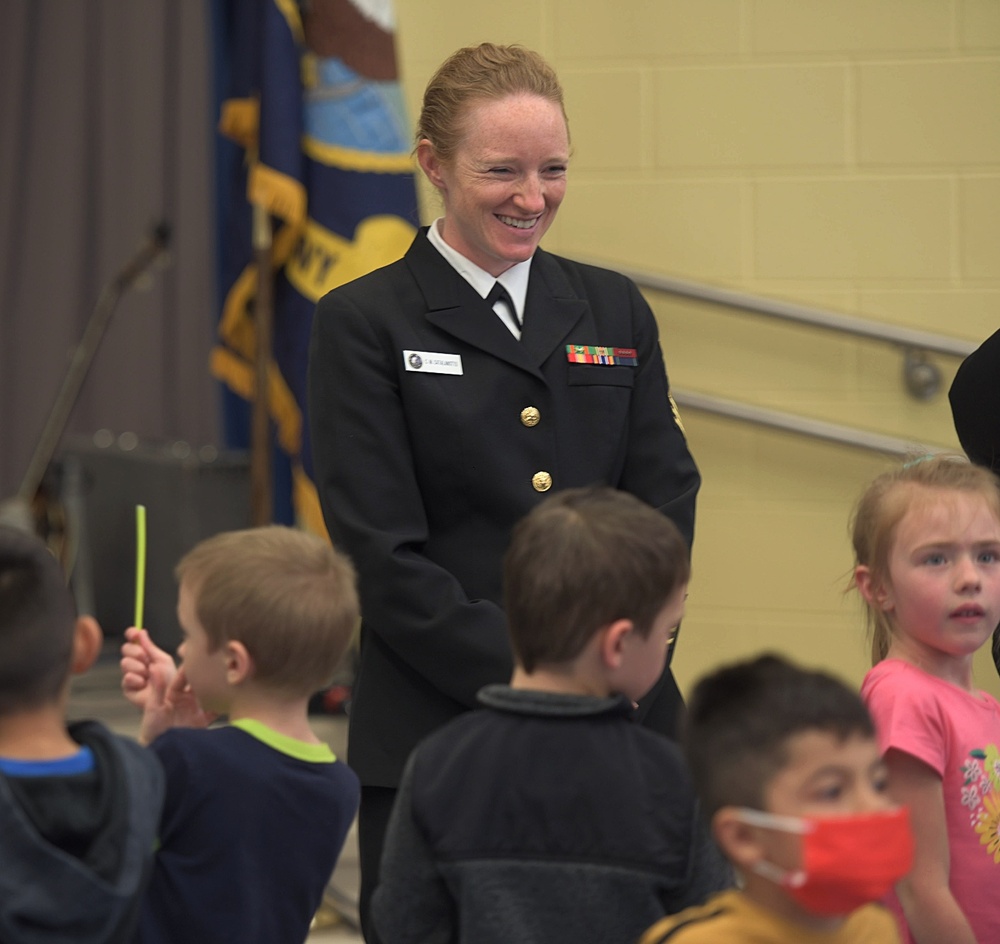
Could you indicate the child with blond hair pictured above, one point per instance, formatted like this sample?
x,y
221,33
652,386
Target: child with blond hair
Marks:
x,y
927,563
257,811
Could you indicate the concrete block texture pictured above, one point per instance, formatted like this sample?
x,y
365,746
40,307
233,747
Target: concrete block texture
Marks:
x,y
811,27
837,154
751,116
929,112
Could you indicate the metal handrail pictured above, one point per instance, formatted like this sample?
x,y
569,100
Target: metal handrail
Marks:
x,y
817,429
906,338
923,379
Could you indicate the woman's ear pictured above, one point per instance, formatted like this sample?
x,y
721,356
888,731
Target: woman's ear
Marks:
x,y
874,592
239,664
87,642
430,163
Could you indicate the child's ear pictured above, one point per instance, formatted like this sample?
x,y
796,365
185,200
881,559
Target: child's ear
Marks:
x,y
239,665
613,638
87,642
875,593
737,839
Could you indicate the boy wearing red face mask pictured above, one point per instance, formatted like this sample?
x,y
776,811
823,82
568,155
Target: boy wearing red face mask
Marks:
x,y
787,767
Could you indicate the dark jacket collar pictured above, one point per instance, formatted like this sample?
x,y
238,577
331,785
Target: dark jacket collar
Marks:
x,y
552,308
552,704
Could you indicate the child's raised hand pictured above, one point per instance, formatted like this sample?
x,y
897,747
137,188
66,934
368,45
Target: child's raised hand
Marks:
x,y
170,704
188,712
139,655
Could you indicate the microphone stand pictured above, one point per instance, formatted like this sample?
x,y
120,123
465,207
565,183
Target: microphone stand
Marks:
x,y
18,511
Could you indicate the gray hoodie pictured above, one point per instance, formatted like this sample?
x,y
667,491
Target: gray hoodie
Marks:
x,y
76,852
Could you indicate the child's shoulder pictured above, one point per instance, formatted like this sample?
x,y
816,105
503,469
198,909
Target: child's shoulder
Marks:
x,y
732,916
896,679
128,773
108,814
241,737
894,689
564,729
528,711
717,919
255,761
126,757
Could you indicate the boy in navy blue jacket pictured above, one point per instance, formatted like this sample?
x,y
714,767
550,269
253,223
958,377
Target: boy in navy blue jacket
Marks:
x,y
549,815
257,811
79,806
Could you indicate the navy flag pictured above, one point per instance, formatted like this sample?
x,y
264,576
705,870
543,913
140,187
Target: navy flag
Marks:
x,y
315,131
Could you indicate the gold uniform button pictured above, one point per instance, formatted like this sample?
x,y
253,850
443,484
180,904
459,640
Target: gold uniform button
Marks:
x,y
541,481
530,416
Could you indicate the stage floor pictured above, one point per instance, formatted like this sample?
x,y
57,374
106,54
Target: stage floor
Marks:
x,y
97,695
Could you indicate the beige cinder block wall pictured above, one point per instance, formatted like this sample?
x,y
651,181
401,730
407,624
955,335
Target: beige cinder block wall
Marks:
x,y
840,153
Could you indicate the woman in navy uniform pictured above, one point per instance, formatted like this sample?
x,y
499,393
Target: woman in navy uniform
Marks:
x,y
442,410
975,403
975,407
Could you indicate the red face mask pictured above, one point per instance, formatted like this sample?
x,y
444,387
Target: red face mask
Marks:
x,y
847,861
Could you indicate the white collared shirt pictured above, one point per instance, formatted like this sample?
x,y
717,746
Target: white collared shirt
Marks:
x,y
514,279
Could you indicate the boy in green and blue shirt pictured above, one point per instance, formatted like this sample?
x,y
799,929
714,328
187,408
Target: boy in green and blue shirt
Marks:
x,y
256,812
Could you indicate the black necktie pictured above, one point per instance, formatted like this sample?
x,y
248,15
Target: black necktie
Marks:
x,y
499,294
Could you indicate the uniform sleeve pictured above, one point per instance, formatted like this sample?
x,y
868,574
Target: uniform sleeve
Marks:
x,y
373,506
658,468
975,403
411,904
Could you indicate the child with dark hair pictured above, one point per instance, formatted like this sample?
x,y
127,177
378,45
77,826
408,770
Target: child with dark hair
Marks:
x,y
549,815
787,767
79,806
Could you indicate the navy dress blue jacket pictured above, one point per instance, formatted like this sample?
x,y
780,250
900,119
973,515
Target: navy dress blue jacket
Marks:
x,y
422,474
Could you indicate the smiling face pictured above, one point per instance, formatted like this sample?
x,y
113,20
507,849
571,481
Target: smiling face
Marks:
x,y
506,181
943,586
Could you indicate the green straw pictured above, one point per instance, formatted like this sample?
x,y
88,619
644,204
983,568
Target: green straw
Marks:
x,y
140,562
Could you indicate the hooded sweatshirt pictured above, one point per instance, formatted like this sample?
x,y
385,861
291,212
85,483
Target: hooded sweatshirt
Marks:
x,y
76,850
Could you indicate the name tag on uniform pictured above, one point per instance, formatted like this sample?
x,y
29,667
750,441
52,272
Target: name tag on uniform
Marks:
x,y
431,362
591,354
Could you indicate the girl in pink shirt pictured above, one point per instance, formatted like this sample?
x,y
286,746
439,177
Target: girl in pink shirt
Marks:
x,y
927,548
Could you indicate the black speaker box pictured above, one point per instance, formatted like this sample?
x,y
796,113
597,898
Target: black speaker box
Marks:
x,y
188,495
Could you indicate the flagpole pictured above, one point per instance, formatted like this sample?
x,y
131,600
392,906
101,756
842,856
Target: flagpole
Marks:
x,y
261,512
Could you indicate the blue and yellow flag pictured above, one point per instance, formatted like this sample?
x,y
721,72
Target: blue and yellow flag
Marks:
x,y
314,130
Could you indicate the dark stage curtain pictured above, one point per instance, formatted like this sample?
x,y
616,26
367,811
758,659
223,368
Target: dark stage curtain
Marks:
x,y
106,128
